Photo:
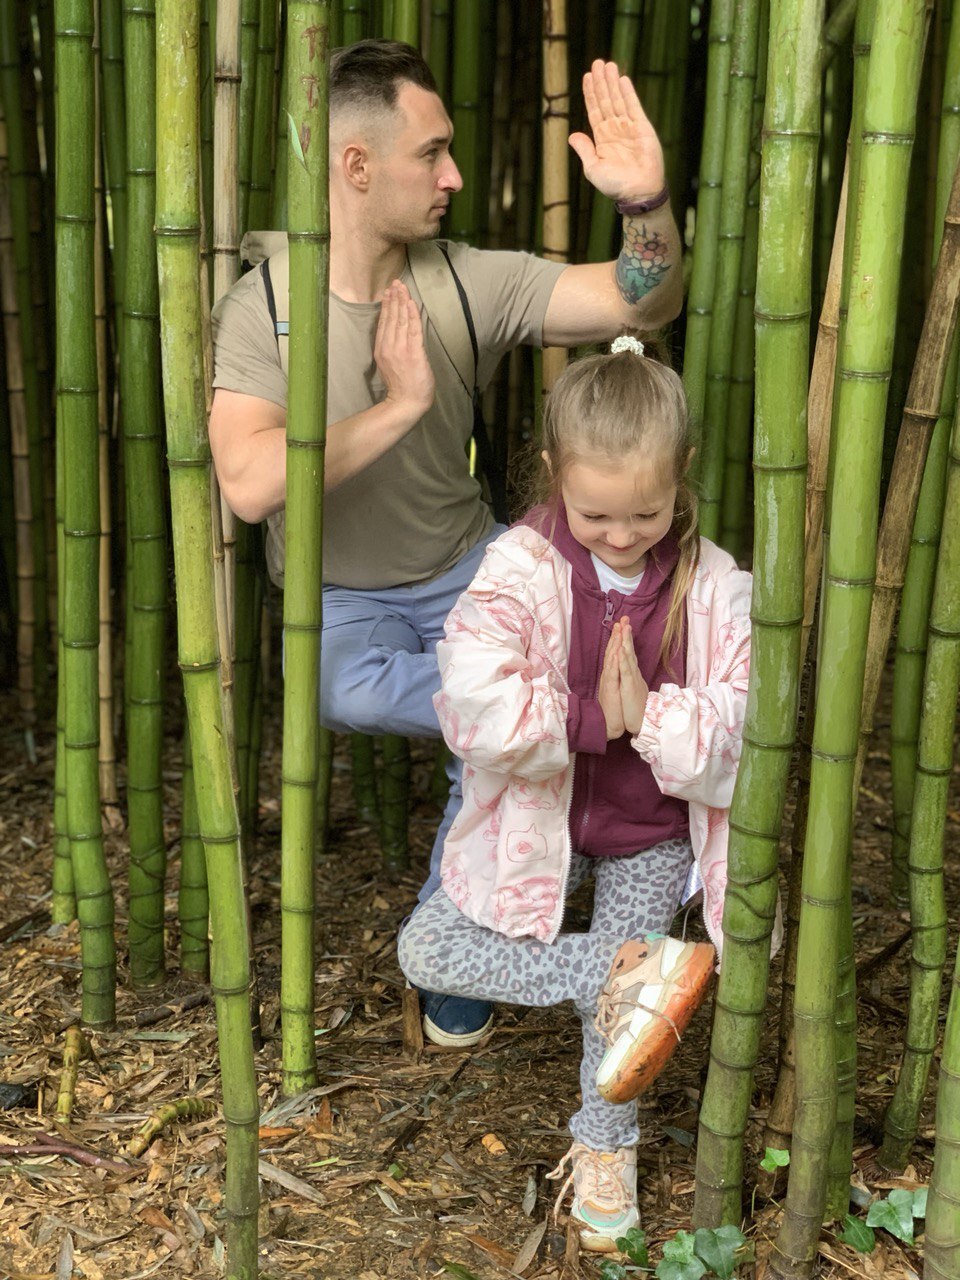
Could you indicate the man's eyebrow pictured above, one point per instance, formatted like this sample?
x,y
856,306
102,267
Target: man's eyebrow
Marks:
x,y
441,140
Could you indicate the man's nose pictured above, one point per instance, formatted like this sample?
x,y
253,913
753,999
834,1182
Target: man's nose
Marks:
x,y
450,179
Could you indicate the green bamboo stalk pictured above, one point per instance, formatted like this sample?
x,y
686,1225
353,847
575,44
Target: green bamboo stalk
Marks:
x,y
307,56
114,140
465,205
208,60
146,577
736,514
249,39
405,24
942,1234
247,606
181,318
837,28
45,26
624,46
77,409
928,911
911,643
19,196
193,903
703,277
263,133
363,776
670,125
866,353
730,236
63,904
395,803
438,54
325,749
355,21
791,123
278,196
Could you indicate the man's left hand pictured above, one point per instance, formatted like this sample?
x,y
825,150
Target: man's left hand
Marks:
x,y
623,159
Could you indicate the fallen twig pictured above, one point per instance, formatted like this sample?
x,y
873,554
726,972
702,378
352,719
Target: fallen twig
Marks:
x,y
48,1146
160,1012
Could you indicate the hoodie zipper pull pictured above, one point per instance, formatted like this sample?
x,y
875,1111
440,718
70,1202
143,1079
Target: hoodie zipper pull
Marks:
x,y
608,615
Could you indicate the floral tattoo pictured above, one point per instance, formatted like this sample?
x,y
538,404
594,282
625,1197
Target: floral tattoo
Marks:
x,y
643,261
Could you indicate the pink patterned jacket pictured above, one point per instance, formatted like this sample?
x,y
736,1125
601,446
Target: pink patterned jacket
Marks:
x,y
503,709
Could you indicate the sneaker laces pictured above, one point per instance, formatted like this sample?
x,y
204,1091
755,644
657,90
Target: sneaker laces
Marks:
x,y
599,1178
608,1013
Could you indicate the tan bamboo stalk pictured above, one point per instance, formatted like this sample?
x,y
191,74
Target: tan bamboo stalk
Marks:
x,y
20,453
919,418
819,416
500,156
107,750
556,168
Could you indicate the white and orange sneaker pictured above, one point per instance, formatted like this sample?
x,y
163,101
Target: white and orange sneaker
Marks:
x,y
604,1194
653,989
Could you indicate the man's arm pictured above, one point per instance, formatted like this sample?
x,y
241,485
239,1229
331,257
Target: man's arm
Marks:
x,y
248,434
643,289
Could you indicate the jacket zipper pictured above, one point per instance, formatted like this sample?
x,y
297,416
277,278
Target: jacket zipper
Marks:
x,y
591,762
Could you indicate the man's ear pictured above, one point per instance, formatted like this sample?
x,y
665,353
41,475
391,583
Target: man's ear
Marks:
x,y
356,165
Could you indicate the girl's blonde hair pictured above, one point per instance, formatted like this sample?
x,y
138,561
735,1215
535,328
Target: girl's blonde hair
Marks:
x,y
615,405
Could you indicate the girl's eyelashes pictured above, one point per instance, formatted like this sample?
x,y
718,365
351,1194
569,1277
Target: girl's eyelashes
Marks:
x,y
640,515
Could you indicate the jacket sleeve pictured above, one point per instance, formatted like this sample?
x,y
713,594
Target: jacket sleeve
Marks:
x,y
692,737
499,708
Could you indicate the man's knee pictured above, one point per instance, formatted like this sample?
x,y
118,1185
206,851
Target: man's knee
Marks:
x,y
348,705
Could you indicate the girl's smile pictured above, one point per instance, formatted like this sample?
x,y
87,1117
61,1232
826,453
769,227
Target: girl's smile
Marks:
x,y
618,510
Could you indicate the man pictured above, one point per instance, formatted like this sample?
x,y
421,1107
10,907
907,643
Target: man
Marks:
x,y
405,526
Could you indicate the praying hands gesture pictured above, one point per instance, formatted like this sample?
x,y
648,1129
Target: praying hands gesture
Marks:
x,y
623,159
623,691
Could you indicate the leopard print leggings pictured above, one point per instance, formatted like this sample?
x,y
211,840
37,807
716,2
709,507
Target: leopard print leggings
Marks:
x,y
441,949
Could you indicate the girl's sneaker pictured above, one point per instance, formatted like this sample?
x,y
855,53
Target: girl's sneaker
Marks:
x,y
604,1194
651,993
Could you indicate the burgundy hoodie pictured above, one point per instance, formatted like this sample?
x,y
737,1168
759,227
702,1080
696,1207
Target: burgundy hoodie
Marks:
x,y
617,807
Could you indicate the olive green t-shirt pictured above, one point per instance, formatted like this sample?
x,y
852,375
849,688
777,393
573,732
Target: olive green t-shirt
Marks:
x,y
416,510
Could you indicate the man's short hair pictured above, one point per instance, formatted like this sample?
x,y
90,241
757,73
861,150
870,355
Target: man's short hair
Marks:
x,y
366,76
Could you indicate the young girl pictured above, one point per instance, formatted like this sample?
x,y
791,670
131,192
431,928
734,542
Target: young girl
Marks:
x,y
594,680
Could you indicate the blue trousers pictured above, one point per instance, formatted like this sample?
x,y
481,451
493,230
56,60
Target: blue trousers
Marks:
x,y
378,669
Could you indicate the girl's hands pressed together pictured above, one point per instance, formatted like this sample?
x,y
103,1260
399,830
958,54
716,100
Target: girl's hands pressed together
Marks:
x,y
633,687
608,693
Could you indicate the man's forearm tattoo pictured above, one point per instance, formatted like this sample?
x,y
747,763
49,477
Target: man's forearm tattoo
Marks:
x,y
643,261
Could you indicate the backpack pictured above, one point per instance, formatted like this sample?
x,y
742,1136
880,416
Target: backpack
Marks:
x,y
446,303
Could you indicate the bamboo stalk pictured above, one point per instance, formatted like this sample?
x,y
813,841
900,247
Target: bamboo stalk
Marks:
x,y
107,751
703,277
866,353
355,19
405,24
438,53
556,167
181,313
77,410
363,776
935,351
465,205
730,236
114,140
146,543
395,803
247,67
263,131
309,238
837,28
791,121
193,901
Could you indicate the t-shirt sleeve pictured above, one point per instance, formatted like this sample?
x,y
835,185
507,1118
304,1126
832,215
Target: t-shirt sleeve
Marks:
x,y
245,355
508,294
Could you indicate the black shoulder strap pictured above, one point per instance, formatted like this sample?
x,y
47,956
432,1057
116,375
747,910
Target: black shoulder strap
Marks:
x,y
494,473
278,327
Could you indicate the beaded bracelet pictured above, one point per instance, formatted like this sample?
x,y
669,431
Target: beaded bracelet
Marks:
x,y
630,209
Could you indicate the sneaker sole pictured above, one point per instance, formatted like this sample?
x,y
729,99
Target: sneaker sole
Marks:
x,y
640,1066
453,1040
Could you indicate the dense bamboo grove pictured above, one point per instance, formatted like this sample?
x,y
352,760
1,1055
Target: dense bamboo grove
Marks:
x,y
827,461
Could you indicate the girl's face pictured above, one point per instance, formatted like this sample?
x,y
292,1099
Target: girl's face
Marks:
x,y
618,511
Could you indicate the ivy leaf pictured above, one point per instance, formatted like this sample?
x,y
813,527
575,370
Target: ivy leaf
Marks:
x,y
895,1214
680,1261
718,1247
774,1158
634,1245
612,1270
920,1202
857,1234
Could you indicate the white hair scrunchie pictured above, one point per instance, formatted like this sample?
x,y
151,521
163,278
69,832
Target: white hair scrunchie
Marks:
x,y
626,343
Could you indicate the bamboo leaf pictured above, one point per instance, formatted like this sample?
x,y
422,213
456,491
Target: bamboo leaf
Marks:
x,y
895,1214
295,141
857,1234
717,1247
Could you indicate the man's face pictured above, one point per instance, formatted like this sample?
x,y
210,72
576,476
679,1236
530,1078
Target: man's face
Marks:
x,y
413,172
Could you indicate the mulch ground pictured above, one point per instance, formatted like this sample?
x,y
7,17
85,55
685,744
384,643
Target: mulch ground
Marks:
x,y
398,1165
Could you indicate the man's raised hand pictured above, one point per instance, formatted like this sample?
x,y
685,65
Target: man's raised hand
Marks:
x,y
623,159
400,352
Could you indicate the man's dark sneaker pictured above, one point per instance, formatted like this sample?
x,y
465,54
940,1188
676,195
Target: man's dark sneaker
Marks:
x,y
454,1022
